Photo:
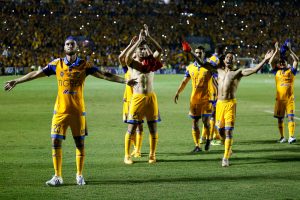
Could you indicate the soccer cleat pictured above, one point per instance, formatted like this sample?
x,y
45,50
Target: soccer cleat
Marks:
x,y
225,162
80,180
292,140
207,145
152,159
215,142
196,150
282,140
128,161
55,181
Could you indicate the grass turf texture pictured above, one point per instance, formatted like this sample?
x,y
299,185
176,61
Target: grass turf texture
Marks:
x,y
260,167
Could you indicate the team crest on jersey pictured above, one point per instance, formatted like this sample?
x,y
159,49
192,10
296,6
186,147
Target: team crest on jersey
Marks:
x,y
61,74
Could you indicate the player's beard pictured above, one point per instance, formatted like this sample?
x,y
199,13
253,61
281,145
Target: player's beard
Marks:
x,y
71,53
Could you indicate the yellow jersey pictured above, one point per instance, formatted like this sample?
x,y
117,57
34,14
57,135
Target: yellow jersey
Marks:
x,y
200,81
284,79
70,81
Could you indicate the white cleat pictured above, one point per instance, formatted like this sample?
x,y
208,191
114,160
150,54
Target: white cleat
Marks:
x,y
292,140
55,181
80,180
282,140
225,162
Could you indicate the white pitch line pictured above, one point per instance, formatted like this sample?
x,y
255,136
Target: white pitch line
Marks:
x,y
267,111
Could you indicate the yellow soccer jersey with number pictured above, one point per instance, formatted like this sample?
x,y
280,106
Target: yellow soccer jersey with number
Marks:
x,y
284,79
200,78
70,81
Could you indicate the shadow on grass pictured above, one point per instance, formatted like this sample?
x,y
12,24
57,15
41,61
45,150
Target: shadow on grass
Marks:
x,y
217,178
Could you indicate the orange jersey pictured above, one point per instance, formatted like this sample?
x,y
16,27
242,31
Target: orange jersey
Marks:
x,y
70,81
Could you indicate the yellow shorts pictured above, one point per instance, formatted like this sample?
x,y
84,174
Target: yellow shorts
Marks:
x,y
141,106
126,102
225,114
200,109
284,107
60,123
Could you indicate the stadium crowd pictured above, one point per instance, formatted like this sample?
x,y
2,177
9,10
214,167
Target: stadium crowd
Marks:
x,y
33,31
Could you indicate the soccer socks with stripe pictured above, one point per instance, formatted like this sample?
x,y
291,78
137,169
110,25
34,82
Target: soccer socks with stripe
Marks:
x,y
196,136
228,146
281,128
291,127
80,154
153,138
57,160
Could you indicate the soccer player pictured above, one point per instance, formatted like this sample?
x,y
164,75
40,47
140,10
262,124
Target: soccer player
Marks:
x,y
216,60
137,135
284,80
199,100
144,101
228,80
69,109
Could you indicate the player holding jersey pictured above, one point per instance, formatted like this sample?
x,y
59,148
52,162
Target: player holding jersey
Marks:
x,y
69,109
284,80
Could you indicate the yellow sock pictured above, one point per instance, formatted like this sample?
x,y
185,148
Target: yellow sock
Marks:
x,y
80,154
57,160
127,144
291,127
133,140
228,146
139,140
204,133
211,129
196,136
153,138
281,128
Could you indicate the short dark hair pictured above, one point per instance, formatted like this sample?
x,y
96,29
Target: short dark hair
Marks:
x,y
229,52
200,47
143,43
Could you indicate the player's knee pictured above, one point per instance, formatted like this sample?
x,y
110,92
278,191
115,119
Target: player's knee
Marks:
x,y
79,142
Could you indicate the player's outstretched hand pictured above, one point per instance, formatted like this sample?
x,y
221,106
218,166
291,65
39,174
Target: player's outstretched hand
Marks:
x,y
186,46
146,30
9,85
142,35
132,82
176,98
269,55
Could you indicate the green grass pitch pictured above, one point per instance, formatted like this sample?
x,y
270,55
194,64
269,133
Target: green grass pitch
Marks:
x,y
260,167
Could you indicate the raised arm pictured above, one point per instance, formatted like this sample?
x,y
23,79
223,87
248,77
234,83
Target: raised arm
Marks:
x,y
187,48
181,87
249,71
128,57
271,61
294,56
158,49
114,78
125,51
9,85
